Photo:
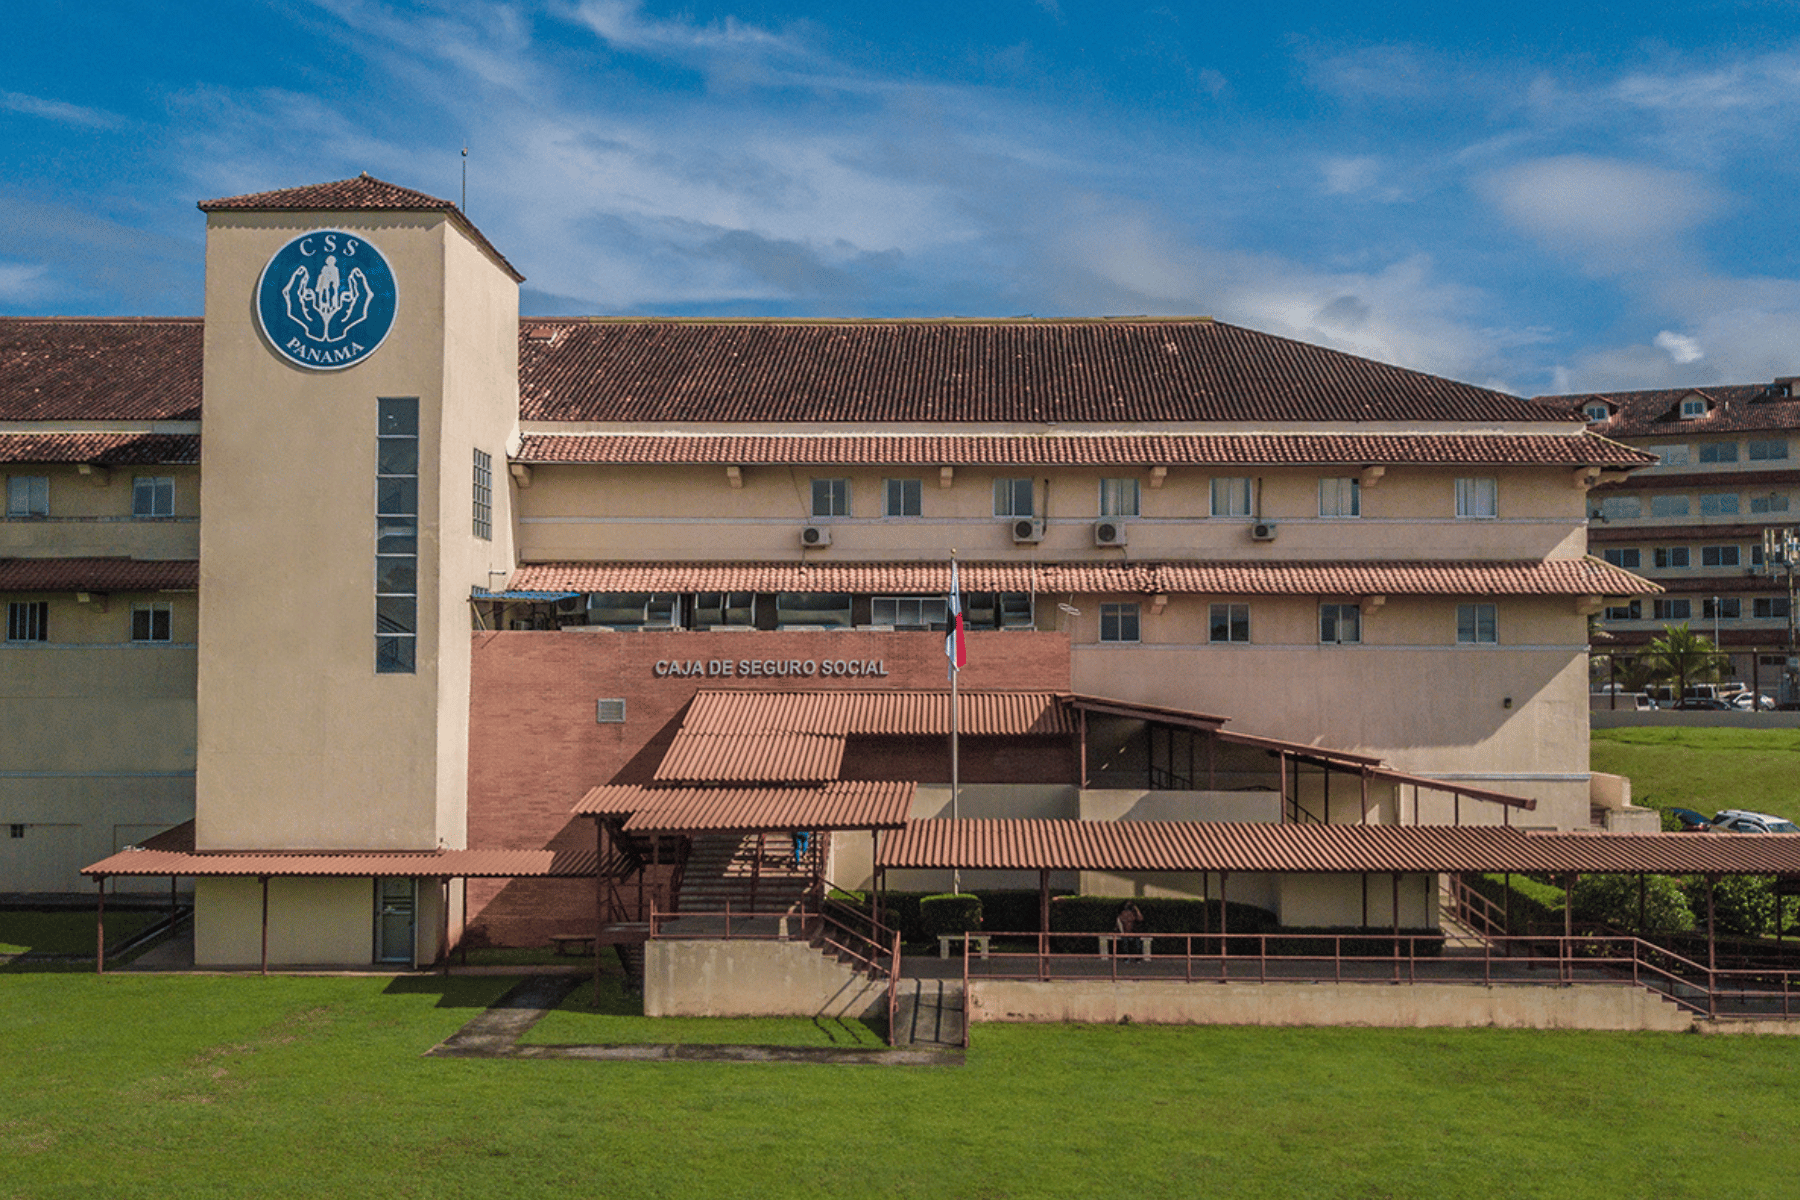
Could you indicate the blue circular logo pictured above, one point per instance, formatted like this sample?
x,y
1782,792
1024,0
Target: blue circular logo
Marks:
x,y
326,300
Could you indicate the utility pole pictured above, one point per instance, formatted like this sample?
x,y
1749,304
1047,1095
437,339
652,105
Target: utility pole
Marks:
x,y
1781,555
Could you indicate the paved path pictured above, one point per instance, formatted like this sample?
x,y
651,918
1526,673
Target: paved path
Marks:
x,y
496,1032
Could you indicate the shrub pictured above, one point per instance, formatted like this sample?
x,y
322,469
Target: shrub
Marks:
x,y
951,913
1742,904
1530,907
1614,900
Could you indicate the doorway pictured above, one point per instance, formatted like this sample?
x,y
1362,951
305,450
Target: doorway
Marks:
x,y
396,903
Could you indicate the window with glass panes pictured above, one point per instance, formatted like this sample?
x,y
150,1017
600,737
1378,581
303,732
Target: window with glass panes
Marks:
x,y
1477,624
1768,449
28,496
1625,612
1118,622
28,621
483,515
1721,608
1119,497
909,612
1669,506
1619,508
1622,556
1774,502
1766,608
1477,498
153,496
1013,497
1340,498
831,497
1673,610
396,536
1719,504
1340,623
151,622
1720,556
902,497
1230,623
1670,557
1718,452
1231,497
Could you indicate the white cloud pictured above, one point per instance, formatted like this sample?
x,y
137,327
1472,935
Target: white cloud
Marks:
x,y
57,110
1678,347
21,283
623,24
1607,212
1348,176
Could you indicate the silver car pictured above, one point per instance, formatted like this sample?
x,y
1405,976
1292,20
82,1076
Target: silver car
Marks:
x,y
1736,820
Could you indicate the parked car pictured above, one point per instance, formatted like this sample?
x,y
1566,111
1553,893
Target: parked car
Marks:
x,y
1691,821
1753,702
1701,704
1736,820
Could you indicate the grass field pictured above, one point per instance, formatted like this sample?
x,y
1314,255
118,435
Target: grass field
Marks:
x,y
1706,769
239,1086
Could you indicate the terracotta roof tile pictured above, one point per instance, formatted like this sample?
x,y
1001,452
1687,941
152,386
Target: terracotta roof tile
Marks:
x,y
1195,846
1735,408
1025,370
1553,577
101,449
838,805
1087,449
98,575
365,193
64,369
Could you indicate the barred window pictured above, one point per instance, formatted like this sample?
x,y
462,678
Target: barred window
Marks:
x,y
28,621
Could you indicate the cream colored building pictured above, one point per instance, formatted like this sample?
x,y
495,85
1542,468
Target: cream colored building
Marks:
x,y
1194,516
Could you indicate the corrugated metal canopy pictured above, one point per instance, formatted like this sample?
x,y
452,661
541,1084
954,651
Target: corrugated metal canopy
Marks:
x,y
1283,848
840,805
436,864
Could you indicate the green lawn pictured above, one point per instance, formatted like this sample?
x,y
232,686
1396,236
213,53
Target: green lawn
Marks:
x,y
1705,769
69,932
205,1086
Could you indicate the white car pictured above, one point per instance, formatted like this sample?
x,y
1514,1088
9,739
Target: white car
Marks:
x,y
1736,820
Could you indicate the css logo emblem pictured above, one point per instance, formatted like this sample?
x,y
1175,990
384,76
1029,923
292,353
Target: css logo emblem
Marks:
x,y
326,300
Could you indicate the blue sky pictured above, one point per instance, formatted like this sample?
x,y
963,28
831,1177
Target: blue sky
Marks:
x,y
1536,197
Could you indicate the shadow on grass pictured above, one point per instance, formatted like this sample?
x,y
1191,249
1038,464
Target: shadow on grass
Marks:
x,y
616,1018
455,991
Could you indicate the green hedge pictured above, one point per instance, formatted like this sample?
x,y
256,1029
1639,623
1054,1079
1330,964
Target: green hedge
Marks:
x,y
948,914
1531,907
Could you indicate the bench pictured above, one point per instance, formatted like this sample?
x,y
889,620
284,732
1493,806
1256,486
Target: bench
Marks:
x,y
944,940
1109,943
573,943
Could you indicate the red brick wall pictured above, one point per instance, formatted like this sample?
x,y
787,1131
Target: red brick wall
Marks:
x,y
535,747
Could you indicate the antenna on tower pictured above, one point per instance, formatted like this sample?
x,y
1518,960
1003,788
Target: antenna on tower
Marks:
x,y
465,191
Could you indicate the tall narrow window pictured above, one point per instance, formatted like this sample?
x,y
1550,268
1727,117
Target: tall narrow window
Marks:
x,y
1119,497
28,496
1340,498
397,537
484,496
1477,624
28,621
1477,499
1013,498
831,497
1231,497
902,498
152,496
150,622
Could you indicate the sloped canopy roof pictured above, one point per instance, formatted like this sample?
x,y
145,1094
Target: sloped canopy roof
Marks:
x,y
842,804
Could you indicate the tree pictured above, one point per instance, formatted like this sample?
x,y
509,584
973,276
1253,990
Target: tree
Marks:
x,y
1685,657
1614,899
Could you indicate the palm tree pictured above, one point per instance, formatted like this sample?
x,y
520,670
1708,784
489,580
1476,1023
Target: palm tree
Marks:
x,y
1684,656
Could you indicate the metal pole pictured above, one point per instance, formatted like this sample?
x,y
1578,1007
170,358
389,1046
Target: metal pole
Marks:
x,y
1043,924
100,926
1712,984
265,924
1282,755
955,770
1224,929
444,948
1395,877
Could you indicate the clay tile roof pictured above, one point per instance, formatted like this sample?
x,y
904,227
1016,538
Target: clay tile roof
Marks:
x,y
1137,369
1579,449
744,736
365,193
99,369
98,575
101,449
841,804
1552,577
1732,408
171,852
1196,846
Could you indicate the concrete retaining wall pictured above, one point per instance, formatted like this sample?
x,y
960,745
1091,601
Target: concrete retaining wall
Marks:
x,y
1169,1002
754,979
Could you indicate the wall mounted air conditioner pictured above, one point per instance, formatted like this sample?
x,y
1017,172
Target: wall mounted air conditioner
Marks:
x,y
1028,529
572,606
1262,531
815,535
1109,533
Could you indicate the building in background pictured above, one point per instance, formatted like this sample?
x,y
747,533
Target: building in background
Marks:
x,y
456,570
1728,471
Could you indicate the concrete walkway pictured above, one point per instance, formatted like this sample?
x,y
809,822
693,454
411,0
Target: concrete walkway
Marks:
x,y
496,1032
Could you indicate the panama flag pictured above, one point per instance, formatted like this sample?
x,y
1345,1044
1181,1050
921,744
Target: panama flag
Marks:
x,y
954,649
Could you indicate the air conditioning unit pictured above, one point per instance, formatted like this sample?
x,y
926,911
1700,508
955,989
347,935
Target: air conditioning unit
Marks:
x,y
572,606
1109,533
815,535
1262,531
1028,529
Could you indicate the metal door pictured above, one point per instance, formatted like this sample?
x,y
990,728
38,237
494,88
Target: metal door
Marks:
x,y
396,900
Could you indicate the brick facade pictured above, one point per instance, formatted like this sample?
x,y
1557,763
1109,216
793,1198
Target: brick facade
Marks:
x,y
535,746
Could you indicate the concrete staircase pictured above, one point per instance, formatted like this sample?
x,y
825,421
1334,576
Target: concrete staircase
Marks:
x,y
726,870
930,1012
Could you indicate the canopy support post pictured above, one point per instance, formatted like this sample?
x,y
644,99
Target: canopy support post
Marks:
x,y
1044,923
1712,985
265,924
1395,879
100,925
444,947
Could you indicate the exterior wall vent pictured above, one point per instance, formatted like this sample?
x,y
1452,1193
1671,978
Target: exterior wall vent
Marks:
x,y
609,712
